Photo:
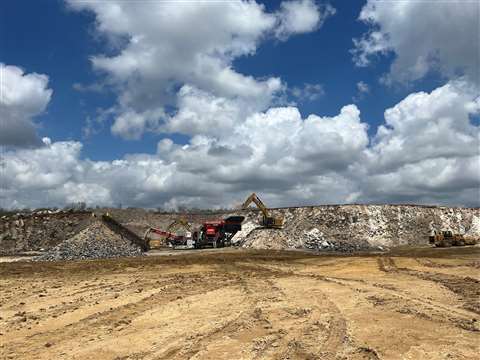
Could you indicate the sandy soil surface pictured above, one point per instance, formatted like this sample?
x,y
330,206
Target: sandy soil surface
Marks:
x,y
236,304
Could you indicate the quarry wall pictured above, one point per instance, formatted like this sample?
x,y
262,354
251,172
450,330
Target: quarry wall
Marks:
x,y
359,226
39,230
316,227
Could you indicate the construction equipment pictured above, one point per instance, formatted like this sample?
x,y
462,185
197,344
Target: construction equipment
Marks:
x,y
217,233
267,220
171,236
170,239
123,231
447,238
178,224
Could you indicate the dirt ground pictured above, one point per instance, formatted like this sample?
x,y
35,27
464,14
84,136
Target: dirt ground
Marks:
x,y
237,304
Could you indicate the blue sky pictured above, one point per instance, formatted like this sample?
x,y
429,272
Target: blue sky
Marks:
x,y
58,39
40,46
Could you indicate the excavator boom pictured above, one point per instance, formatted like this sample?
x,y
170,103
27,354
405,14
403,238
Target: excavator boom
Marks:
x,y
268,221
179,224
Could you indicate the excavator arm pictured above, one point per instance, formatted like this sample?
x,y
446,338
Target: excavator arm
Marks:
x,y
256,200
179,224
268,221
169,237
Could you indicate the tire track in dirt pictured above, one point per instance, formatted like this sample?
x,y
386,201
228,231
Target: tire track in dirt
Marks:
x,y
276,328
105,322
247,326
432,264
314,339
467,288
402,301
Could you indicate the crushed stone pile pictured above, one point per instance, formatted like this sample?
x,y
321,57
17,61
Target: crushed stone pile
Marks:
x,y
95,242
40,230
474,232
266,239
352,228
475,227
342,228
277,239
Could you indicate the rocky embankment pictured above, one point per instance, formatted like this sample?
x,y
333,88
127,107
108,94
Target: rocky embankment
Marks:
x,y
342,228
349,228
40,230
96,241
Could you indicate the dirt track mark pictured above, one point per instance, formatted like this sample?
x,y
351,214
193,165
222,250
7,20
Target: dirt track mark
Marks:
x,y
259,292
386,264
106,321
271,308
402,301
432,264
466,287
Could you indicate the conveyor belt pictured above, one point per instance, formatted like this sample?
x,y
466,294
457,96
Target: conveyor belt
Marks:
x,y
118,228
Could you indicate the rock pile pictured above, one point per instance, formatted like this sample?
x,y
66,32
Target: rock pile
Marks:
x,y
260,238
40,230
351,228
95,242
278,239
343,228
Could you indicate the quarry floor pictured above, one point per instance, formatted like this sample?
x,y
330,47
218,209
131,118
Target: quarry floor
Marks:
x,y
236,304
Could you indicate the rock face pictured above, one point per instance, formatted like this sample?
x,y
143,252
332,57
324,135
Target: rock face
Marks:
x,y
325,228
349,228
95,242
40,230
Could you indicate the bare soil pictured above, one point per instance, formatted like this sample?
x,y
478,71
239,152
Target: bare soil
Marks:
x,y
239,304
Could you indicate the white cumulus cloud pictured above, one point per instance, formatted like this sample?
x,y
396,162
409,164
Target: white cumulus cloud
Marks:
x,y
168,45
22,97
296,17
425,36
427,151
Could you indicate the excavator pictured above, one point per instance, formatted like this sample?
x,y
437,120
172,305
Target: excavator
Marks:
x,y
447,238
213,233
268,221
170,235
179,224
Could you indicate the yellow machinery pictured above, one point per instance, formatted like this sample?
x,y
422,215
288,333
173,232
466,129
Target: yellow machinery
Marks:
x,y
267,221
169,236
179,224
448,238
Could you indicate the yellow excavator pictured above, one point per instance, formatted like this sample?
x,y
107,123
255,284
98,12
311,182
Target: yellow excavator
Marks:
x,y
170,236
447,238
179,224
268,220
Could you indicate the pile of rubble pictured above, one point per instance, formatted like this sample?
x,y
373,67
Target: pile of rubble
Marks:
x,y
278,239
352,228
344,228
95,242
39,230
474,230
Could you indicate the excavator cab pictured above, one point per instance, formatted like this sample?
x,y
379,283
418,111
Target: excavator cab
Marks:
x,y
272,222
268,221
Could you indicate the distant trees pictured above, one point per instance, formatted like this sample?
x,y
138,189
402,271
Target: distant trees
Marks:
x,y
77,206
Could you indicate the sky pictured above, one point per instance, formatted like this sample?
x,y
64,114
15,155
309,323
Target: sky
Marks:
x,y
168,104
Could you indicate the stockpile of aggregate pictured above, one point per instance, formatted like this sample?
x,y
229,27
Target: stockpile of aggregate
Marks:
x,y
95,242
343,228
279,239
40,230
352,228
